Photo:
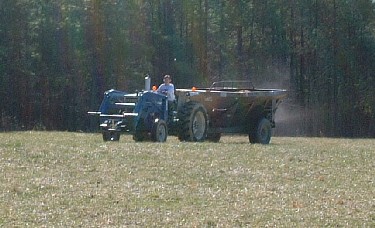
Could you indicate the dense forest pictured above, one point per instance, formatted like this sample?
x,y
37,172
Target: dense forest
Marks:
x,y
58,57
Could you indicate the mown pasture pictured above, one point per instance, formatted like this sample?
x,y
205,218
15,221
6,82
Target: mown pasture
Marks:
x,y
66,179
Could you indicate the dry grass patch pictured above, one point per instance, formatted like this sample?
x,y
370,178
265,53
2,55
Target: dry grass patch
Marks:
x,y
72,179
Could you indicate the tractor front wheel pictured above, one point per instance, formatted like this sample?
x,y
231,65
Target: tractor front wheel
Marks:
x,y
159,131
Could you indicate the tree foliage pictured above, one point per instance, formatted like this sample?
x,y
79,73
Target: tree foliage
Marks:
x,y
58,57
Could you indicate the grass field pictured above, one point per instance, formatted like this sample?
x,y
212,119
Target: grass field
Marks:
x,y
66,179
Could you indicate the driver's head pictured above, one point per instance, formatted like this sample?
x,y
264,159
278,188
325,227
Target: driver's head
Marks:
x,y
167,78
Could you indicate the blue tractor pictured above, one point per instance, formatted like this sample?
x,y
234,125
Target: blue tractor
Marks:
x,y
142,114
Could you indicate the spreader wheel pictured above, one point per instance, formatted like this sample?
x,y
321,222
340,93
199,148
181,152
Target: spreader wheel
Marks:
x,y
261,133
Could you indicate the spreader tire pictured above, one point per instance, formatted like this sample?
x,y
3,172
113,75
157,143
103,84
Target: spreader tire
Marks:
x,y
262,132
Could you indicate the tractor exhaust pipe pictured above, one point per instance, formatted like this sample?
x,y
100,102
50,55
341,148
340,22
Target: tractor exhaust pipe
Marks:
x,y
147,83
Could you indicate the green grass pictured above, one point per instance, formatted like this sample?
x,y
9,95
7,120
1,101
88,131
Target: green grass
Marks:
x,y
66,179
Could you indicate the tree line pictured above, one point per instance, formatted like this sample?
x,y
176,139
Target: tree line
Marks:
x,y
58,57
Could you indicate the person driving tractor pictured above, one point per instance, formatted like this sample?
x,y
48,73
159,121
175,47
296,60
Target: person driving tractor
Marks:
x,y
167,88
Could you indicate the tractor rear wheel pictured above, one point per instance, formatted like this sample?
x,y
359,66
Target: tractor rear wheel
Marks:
x,y
193,119
262,132
159,131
